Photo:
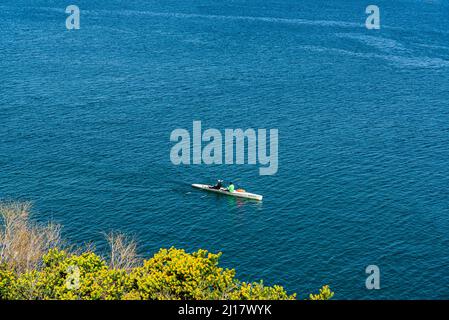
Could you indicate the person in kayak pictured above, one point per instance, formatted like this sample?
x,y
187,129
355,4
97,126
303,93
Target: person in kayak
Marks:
x,y
231,187
218,185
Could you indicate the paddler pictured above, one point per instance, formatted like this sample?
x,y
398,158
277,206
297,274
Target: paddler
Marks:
x,y
218,185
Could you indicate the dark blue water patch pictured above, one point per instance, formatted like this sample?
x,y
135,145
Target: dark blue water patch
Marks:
x,y
363,133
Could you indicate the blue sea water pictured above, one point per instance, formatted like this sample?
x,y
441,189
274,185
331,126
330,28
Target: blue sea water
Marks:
x,y
363,119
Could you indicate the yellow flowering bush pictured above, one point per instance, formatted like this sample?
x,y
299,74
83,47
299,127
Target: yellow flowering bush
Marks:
x,y
34,267
175,274
325,294
67,277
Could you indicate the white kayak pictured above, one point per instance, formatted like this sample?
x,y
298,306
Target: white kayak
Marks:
x,y
236,193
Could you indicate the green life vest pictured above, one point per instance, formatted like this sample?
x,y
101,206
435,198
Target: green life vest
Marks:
x,y
231,188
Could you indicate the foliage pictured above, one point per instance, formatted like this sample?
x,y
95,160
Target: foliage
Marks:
x,y
325,294
7,283
169,274
22,242
175,274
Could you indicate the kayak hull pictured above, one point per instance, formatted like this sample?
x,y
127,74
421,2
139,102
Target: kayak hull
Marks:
x,y
245,195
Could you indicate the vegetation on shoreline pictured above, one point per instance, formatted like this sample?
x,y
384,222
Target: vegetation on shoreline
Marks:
x,y
35,264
